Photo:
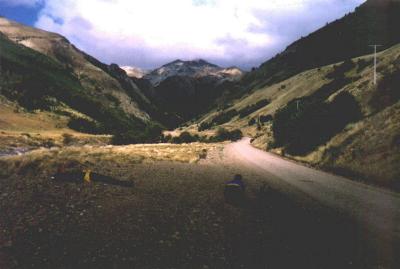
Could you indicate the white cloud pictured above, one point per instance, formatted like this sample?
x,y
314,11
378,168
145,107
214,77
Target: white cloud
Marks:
x,y
148,33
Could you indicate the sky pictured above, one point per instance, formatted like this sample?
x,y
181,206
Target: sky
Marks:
x,y
150,33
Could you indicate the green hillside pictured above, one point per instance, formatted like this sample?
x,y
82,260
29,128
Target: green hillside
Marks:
x,y
36,81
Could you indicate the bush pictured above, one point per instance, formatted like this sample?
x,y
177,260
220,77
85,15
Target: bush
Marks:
x,y
387,92
151,134
252,108
265,118
68,139
362,63
186,137
127,138
167,138
224,117
224,135
235,135
85,126
301,129
340,70
252,122
204,126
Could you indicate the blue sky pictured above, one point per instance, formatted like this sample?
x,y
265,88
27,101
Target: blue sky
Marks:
x,y
149,33
23,14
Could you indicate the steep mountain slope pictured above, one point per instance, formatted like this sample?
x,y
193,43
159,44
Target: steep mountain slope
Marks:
x,y
56,77
333,117
374,22
36,81
96,78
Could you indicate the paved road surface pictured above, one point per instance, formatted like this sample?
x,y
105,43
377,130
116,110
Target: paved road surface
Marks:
x,y
375,209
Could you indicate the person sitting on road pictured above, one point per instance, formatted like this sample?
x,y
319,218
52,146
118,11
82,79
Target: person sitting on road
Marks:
x,y
234,192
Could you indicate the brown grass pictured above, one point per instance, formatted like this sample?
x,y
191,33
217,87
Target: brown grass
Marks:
x,y
103,158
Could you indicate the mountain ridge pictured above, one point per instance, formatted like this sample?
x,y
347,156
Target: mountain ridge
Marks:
x,y
192,68
373,22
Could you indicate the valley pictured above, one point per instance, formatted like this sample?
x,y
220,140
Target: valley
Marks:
x,y
108,166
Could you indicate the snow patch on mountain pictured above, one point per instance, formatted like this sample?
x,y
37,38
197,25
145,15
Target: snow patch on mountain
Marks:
x,y
135,72
195,68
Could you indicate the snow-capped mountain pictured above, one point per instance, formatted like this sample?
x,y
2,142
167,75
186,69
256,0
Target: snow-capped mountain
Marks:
x,y
195,69
135,72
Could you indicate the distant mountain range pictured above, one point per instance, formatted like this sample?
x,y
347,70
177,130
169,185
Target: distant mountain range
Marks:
x,y
135,72
195,69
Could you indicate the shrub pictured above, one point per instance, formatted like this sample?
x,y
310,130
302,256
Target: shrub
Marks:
x,y
186,137
203,154
84,126
176,140
235,135
113,99
224,117
224,135
340,70
302,128
204,126
126,138
167,138
387,92
265,118
49,143
362,63
252,122
152,133
252,108
68,139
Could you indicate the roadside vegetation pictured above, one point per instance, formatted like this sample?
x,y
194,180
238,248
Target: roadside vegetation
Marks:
x,y
95,156
221,135
304,123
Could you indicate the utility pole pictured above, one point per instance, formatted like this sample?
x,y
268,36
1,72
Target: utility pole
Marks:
x,y
375,61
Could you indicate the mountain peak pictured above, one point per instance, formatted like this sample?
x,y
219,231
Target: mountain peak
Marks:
x,y
195,62
192,68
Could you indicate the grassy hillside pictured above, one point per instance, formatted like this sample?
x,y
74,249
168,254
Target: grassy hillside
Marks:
x,y
374,22
332,117
97,79
36,81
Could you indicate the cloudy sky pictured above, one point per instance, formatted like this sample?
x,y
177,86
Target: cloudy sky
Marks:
x,y
149,33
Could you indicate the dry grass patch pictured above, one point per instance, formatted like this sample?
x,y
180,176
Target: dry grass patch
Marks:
x,y
102,158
